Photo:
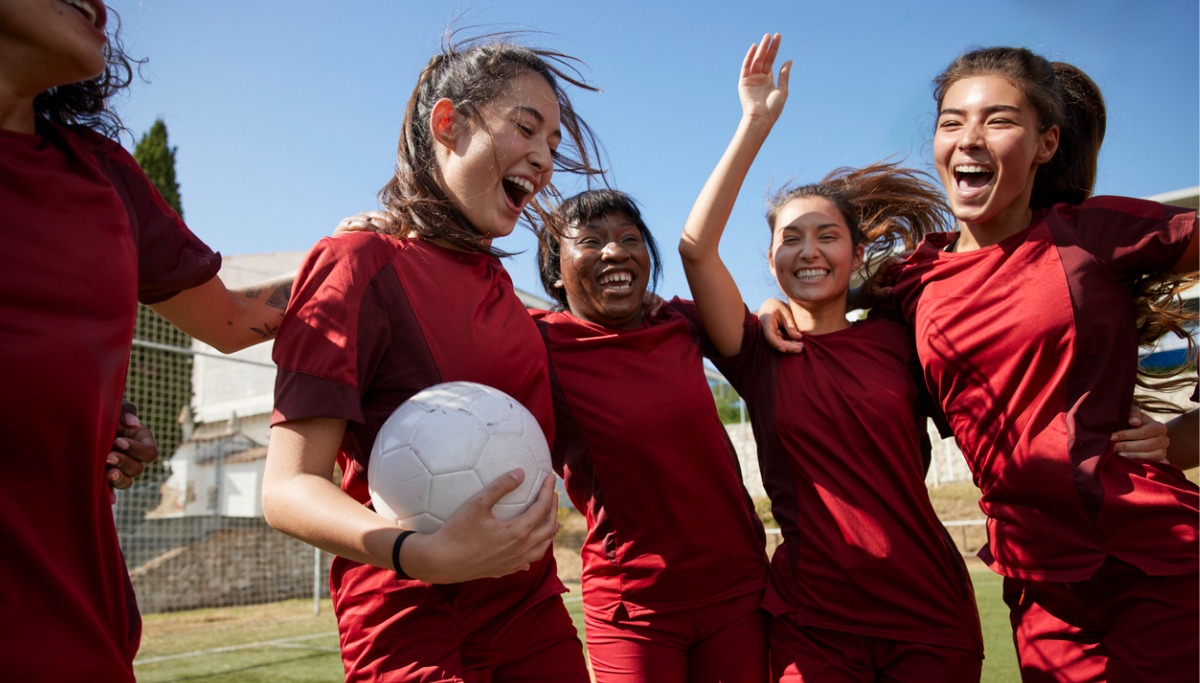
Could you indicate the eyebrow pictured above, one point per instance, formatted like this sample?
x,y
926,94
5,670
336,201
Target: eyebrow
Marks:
x,y
991,109
821,226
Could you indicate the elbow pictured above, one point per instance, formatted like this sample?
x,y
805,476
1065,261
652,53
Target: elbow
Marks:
x,y
689,251
226,347
273,507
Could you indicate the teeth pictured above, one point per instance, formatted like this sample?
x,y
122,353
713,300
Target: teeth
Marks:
x,y
811,273
615,278
85,8
521,183
971,168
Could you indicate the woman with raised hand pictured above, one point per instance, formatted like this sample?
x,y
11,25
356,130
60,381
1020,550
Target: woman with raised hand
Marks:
x,y
374,319
867,585
1027,322
673,561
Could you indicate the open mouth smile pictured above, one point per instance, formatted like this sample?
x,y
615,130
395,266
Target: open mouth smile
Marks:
x,y
619,281
969,177
519,190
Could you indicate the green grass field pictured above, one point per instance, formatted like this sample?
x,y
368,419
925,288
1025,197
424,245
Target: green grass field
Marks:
x,y
285,643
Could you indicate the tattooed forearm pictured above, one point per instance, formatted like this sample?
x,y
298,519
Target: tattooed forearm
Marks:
x,y
280,294
267,331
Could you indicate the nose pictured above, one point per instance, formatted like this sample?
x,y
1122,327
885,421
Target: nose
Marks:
x,y
808,249
613,251
542,158
970,136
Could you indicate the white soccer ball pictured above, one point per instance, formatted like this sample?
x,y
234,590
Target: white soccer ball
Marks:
x,y
447,442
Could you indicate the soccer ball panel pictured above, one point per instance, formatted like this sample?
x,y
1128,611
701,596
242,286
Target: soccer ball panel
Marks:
x,y
444,444
449,440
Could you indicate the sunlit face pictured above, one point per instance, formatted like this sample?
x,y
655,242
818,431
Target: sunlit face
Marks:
x,y
48,43
812,253
494,164
605,268
987,149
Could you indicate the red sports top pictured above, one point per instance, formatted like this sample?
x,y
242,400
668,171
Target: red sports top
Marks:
x,y
372,321
648,462
86,236
1029,348
840,447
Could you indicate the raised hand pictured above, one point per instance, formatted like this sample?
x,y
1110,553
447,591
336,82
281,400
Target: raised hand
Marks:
x,y
761,96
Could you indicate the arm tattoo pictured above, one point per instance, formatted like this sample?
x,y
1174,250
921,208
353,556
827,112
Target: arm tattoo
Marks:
x,y
280,295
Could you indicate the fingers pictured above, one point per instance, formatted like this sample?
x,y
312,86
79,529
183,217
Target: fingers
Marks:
x,y
1135,415
760,58
1145,440
774,331
120,470
132,450
785,73
497,489
367,221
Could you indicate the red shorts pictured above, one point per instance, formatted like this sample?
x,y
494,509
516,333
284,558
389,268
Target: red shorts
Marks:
x,y
725,642
428,643
808,654
1119,625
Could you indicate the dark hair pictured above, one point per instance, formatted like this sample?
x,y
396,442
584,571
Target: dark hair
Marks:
x,y
886,206
86,102
1061,95
471,73
586,206
1065,96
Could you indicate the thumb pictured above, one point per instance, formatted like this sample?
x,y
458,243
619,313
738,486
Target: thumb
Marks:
x,y
498,488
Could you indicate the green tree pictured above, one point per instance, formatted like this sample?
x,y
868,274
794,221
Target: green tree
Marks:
x,y
159,381
157,159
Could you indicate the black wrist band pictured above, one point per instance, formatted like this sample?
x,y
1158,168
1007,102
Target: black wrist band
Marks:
x,y
396,553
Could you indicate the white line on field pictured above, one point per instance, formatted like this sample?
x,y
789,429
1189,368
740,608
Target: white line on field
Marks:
x,y
231,648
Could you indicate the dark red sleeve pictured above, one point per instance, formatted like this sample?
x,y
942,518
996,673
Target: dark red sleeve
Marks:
x,y
1130,237
170,258
319,351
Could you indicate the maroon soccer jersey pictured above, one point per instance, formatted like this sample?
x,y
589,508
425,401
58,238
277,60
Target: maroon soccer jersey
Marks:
x,y
86,236
1029,347
646,459
372,321
839,448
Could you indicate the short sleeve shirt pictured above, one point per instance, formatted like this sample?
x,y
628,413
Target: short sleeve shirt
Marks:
x,y
839,446
87,235
1029,347
373,320
646,459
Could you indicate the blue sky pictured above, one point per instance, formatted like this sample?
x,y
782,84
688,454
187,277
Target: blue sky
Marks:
x,y
286,115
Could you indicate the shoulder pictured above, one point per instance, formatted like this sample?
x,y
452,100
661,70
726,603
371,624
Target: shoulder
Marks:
x,y
345,258
1114,212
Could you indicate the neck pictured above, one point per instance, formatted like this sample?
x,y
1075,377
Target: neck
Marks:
x,y
820,318
984,233
16,113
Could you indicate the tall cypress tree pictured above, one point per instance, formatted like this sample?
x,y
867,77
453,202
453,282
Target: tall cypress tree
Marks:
x,y
158,381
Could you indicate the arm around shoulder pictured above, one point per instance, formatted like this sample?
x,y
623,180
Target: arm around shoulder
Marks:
x,y
229,319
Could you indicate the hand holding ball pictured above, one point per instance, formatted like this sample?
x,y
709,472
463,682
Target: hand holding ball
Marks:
x,y
445,444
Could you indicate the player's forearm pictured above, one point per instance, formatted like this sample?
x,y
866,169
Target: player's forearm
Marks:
x,y
229,320
260,310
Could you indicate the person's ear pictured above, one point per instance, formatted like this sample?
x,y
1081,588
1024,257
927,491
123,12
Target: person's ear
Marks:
x,y
1047,145
859,250
445,123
